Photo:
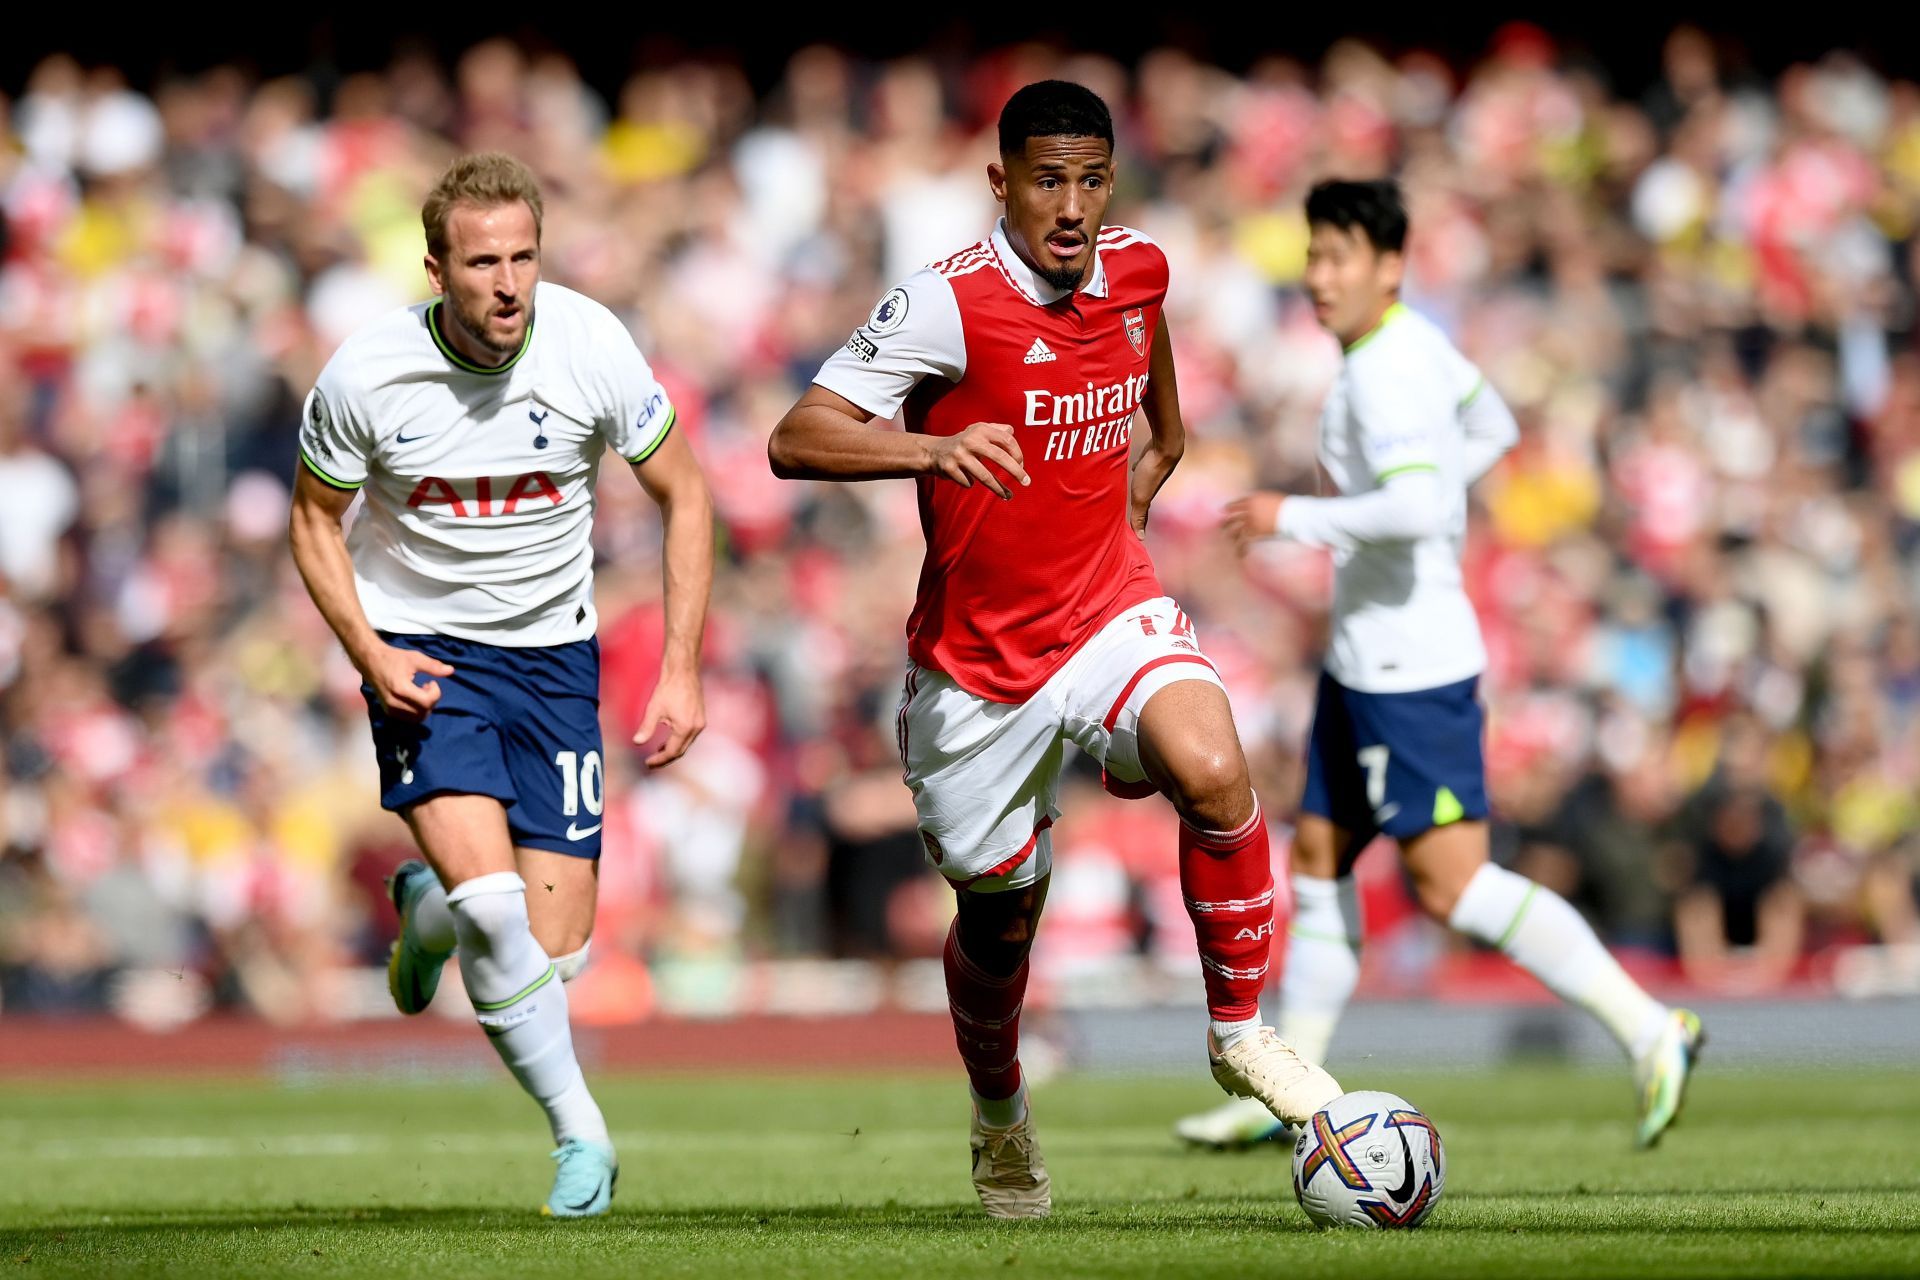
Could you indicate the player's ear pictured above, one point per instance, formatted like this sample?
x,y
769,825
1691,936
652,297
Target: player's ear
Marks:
x,y
1392,269
433,274
997,180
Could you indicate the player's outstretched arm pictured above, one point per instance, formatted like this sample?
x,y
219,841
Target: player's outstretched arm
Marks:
x,y
1168,438
1406,508
320,553
673,479
825,436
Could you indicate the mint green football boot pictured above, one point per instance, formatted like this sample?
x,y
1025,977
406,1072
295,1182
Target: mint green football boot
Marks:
x,y
583,1185
413,973
1663,1074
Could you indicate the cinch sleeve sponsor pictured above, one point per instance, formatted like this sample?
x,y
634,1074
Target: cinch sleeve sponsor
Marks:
x,y
334,443
641,416
913,332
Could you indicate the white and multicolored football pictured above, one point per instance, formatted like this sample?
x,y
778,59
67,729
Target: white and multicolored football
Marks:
x,y
1369,1159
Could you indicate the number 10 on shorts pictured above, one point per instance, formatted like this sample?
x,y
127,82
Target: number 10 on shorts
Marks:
x,y
580,779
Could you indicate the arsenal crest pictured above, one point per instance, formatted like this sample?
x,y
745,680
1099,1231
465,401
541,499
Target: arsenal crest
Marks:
x,y
1136,330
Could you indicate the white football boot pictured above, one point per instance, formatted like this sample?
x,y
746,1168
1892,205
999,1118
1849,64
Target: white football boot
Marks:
x,y
1008,1173
1266,1067
1238,1124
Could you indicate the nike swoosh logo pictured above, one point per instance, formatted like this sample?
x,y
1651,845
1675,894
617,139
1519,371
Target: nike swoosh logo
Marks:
x,y
399,439
585,1204
1404,1192
576,833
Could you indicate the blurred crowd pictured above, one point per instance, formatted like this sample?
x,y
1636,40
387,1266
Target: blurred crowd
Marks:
x,y
1696,573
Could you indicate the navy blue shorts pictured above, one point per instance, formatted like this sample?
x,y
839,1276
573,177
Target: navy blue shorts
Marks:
x,y
1399,763
520,725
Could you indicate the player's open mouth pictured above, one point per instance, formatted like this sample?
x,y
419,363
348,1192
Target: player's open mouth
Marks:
x,y
1066,246
506,313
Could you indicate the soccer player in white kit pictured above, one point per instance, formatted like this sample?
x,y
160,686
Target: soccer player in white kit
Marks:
x,y
473,426
1396,745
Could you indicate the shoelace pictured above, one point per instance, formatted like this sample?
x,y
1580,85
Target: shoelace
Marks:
x,y
573,1171
1020,1143
1277,1058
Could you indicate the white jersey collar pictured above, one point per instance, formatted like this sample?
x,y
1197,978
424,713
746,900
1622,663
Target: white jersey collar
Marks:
x,y
1027,281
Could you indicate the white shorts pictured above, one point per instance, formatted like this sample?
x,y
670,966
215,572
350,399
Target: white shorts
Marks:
x,y
985,774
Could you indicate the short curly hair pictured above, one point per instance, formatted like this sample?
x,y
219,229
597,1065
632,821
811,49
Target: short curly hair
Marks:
x,y
486,179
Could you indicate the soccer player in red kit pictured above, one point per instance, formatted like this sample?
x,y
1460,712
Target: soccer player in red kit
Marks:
x,y
1020,364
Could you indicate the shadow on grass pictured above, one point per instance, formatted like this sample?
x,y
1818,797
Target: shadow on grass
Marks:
x,y
1102,1217
1680,1195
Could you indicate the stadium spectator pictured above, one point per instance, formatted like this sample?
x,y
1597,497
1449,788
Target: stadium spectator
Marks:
x,y
1698,299
1740,921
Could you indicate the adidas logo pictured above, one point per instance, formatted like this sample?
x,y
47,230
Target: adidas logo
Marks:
x,y
1038,353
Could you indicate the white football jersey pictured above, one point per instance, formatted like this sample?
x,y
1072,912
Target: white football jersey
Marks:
x,y
478,483
1407,400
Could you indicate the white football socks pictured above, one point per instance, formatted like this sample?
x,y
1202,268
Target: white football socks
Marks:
x,y
1227,1034
1002,1113
1537,930
1323,963
430,923
520,1001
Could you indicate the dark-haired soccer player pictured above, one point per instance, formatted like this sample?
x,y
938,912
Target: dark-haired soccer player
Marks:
x,y
1409,426
1020,364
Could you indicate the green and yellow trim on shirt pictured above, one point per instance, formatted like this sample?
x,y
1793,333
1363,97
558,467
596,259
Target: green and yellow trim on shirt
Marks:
x,y
331,481
459,361
673,416
1387,317
1403,469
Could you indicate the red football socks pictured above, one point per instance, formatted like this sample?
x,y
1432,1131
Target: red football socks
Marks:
x,y
1227,879
986,1020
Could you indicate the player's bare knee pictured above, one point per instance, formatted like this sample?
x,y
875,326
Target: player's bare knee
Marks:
x,y
571,964
996,931
561,940
1014,933
1436,895
1212,791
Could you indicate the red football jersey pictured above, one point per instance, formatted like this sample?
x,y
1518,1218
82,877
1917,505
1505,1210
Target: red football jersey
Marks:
x,y
1010,589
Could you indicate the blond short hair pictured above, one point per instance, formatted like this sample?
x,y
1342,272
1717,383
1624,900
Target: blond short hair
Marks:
x,y
485,179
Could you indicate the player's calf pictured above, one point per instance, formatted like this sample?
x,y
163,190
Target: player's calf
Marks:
x,y
985,1007
1227,879
521,1004
985,960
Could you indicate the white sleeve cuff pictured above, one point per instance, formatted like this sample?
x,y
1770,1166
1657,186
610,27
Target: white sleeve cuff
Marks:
x,y
1406,508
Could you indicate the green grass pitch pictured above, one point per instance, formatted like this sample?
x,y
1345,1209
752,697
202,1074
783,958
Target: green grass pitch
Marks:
x,y
1777,1173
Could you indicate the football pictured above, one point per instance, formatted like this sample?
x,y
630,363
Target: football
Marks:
x,y
1369,1159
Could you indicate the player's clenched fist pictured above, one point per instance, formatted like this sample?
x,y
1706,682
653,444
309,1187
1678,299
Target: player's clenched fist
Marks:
x,y
1252,518
964,458
392,673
